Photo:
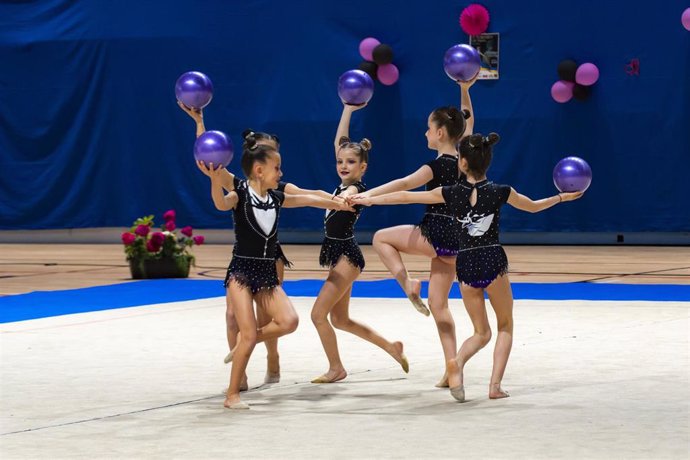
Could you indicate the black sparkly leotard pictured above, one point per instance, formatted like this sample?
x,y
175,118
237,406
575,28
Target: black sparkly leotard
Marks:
x,y
339,237
280,255
439,226
481,258
255,252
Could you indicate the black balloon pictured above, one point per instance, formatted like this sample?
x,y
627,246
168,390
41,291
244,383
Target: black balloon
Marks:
x,y
567,69
581,92
369,67
383,54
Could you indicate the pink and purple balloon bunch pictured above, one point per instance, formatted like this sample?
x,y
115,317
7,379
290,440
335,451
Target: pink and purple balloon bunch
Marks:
x,y
474,19
378,61
194,89
575,81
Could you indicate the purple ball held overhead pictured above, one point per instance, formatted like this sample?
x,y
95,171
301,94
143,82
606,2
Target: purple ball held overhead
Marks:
x,y
355,87
194,89
213,147
572,174
462,62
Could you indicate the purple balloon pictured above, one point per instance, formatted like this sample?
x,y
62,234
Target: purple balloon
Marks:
x,y
587,74
572,174
366,48
355,87
213,147
462,62
194,89
562,91
685,19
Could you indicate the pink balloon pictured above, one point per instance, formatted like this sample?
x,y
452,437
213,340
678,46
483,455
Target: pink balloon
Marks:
x,y
685,19
587,74
366,47
562,91
387,74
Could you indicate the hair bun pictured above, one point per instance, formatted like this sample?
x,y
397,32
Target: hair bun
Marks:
x,y
247,132
466,114
365,144
492,139
343,141
476,140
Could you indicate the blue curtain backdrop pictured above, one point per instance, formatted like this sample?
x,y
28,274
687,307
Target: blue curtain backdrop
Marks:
x,y
90,135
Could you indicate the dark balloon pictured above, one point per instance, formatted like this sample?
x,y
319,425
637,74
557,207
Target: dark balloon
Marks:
x,y
383,54
355,87
369,67
581,92
214,147
572,174
567,70
194,89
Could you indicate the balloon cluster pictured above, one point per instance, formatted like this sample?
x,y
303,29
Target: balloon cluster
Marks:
x,y
378,61
575,81
195,91
474,20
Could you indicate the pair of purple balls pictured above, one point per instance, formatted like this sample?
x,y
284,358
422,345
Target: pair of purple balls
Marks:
x,y
572,174
195,90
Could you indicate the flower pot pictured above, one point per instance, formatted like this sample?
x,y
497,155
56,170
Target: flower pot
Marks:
x,y
177,267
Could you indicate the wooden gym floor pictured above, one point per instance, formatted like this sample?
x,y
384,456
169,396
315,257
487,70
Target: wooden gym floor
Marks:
x,y
46,267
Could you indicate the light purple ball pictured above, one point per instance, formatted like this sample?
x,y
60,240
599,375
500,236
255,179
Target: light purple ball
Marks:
x,y
685,19
194,89
462,62
587,74
214,147
572,174
355,87
562,91
366,48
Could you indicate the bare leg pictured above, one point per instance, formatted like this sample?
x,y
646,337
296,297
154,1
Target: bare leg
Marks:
x,y
231,331
440,282
272,357
389,243
473,298
340,317
243,308
339,281
501,297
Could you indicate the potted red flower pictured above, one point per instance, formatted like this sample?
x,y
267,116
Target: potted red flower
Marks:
x,y
159,254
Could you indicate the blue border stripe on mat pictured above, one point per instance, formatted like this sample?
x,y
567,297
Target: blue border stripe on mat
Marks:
x,y
42,304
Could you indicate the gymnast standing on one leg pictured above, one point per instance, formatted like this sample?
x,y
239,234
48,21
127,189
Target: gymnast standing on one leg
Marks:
x,y
252,275
437,236
229,182
482,265
343,257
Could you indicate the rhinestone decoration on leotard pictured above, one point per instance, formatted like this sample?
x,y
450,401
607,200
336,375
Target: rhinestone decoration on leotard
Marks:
x,y
253,273
339,240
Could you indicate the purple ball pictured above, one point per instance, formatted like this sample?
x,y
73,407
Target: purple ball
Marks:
x,y
355,87
213,147
194,89
572,174
462,62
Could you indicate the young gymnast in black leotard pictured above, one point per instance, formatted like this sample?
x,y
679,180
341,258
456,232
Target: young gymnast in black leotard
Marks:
x,y
251,275
229,182
343,257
